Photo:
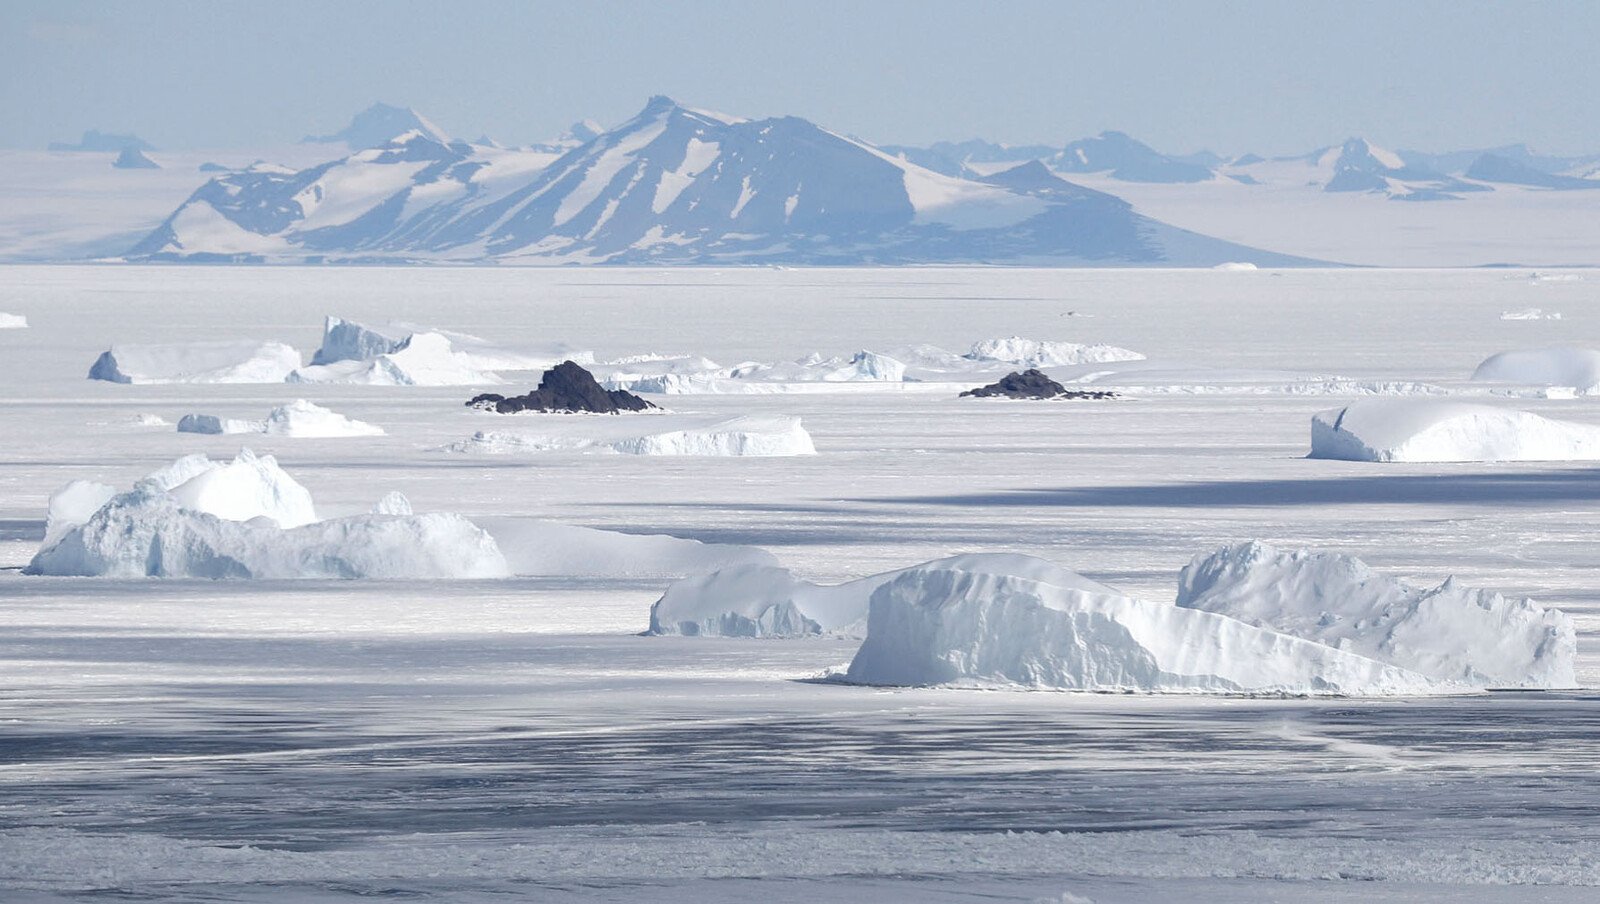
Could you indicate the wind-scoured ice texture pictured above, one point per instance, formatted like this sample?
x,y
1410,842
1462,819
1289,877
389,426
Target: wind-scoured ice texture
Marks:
x,y
1578,368
945,623
197,362
1449,632
1038,353
772,602
248,519
547,549
1429,430
13,322
299,418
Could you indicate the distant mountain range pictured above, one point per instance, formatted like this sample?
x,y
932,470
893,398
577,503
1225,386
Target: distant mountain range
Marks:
x,y
678,185
671,185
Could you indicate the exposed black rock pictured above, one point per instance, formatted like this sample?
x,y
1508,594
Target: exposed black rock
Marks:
x,y
1033,384
568,388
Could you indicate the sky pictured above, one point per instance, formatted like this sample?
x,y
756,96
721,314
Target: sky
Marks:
x,y
1273,77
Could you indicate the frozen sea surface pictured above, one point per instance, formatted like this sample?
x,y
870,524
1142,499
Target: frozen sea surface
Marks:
x,y
269,741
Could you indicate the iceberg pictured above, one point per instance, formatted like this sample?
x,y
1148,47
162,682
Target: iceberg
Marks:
x,y
768,601
249,519
1558,366
945,623
1427,430
13,322
1449,632
745,436
1038,353
299,418
424,359
197,362
547,549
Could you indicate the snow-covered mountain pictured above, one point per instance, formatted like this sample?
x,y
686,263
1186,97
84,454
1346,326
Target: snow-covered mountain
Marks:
x,y
377,125
671,185
1359,165
1126,159
96,140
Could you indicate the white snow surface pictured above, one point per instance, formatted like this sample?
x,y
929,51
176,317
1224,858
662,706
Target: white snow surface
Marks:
x,y
762,436
946,623
299,418
772,602
1554,366
13,322
246,488
1530,314
425,359
197,362
1037,353
1449,632
547,549
1431,430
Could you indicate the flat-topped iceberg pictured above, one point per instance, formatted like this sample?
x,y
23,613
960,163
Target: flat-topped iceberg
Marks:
x,y
299,418
1578,368
403,354
1427,430
248,519
1448,632
946,623
197,362
547,549
1042,353
13,322
772,602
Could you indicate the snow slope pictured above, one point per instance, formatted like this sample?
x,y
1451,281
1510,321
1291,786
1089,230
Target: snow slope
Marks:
x,y
197,362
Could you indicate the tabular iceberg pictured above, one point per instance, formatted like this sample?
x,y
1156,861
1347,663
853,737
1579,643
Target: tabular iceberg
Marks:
x,y
13,322
1559,366
1042,353
299,418
197,362
1422,430
945,624
1448,632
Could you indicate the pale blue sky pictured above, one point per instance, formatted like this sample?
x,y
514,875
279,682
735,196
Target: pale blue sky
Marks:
x,y
1270,77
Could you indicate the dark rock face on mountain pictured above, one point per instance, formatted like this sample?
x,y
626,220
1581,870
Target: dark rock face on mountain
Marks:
x,y
1033,384
564,388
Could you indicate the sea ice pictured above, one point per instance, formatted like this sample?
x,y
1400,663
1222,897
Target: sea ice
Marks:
x,y
1429,430
197,362
946,623
1448,632
1530,314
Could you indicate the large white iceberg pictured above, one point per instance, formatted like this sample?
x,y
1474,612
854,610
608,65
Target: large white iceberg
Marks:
x,y
947,623
1042,353
299,418
547,549
408,355
197,362
1448,632
248,519
1426,430
772,602
1578,368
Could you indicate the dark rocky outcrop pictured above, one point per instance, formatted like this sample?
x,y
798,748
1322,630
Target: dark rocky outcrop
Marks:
x,y
1033,384
565,388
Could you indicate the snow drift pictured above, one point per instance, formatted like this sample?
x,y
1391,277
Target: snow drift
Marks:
x,y
248,519
1560,366
1425,430
197,362
1448,632
772,602
947,623
299,418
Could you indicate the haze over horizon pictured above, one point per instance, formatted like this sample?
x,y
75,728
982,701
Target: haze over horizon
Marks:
x,y
1258,77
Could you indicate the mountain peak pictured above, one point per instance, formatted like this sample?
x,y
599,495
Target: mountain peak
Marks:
x,y
96,140
379,125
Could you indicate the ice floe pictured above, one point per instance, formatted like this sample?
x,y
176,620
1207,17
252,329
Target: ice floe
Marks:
x,y
13,322
1448,632
299,418
743,436
1530,314
197,362
1431,430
